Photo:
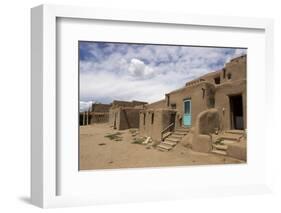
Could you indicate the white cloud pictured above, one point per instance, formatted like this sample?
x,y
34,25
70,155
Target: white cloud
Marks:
x,y
106,87
85,105
138,69
239,52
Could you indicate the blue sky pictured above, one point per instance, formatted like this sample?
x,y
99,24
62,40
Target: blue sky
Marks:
x,y
120,71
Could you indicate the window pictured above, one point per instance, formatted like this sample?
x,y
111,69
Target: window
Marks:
x,y
152,118
223,73
217,80
174,106
229,76
168,100
203,93
187,106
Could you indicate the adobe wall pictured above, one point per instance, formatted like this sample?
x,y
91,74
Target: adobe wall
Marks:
x,y
152,122
125,114
117,103
124,118
128,118
100,107
112,114
210,77
233,83
206,123
96,117
201,95
99,113
222,103
157,105
236,69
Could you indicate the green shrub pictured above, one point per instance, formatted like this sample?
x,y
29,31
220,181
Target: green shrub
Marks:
x,y
114,136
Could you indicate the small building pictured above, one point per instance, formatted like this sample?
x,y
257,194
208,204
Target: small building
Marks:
x,y
223,90
99,113
125,114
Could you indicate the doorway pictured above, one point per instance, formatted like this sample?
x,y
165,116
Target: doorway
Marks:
x,y
173,118
236,112
187,113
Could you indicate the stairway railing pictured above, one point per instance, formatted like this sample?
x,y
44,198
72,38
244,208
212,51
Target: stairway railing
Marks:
x,y
169,128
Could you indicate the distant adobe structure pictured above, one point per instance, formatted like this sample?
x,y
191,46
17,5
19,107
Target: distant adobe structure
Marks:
x,y
98,113
119,114
125,114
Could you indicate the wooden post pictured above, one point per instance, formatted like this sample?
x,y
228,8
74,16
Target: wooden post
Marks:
x,y
87,118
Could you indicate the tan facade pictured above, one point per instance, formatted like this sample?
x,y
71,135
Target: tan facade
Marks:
x,y
119,114
125,115
201,96
152,122
99,113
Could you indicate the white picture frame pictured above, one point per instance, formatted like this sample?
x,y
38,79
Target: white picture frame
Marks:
x,y
44,149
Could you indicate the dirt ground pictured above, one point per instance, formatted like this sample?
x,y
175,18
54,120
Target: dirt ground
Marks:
x,y
118,151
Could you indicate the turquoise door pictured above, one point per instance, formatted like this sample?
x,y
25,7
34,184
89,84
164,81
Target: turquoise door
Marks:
x,y
187,113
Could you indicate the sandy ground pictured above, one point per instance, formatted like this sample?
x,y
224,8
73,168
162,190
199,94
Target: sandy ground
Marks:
x,y
100,152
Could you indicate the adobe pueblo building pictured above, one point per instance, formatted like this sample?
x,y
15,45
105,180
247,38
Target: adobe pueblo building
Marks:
x,y
208,113
120,115
98,113
124,114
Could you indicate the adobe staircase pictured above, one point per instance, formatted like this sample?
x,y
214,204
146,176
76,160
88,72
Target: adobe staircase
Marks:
x,y
229,137
172,139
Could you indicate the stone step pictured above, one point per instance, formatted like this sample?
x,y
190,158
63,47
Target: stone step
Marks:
x,y
229,136
180,133
164,147
227,142
219,152
175,136
161,149
172,139
182,130
167,134
169,143
235,131
220,147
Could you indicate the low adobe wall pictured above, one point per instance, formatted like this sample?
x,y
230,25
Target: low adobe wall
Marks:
x,y
129,118
99,117
124,118
207,122
152,122
238,151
